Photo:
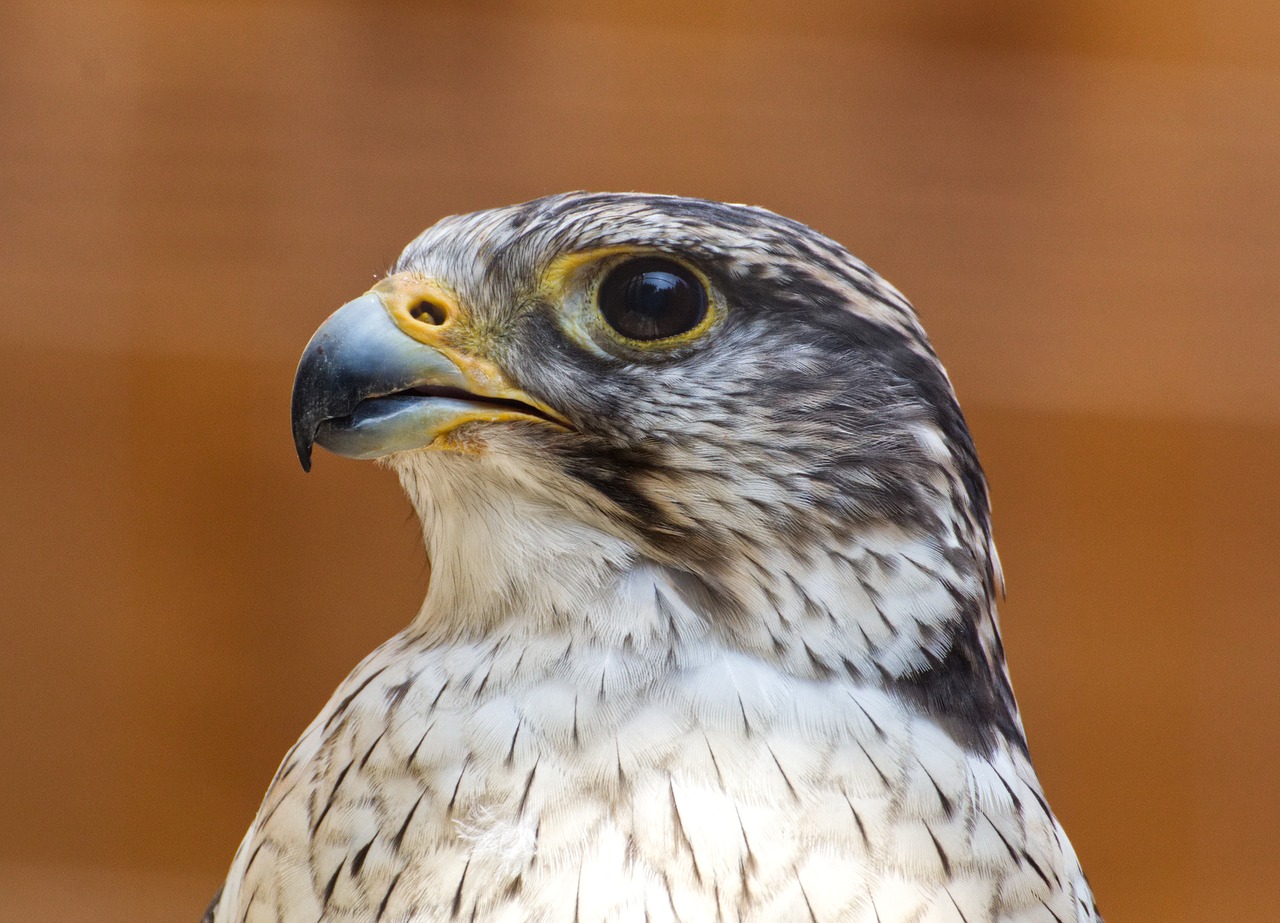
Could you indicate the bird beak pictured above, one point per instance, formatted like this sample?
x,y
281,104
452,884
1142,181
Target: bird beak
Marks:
x,y
380,376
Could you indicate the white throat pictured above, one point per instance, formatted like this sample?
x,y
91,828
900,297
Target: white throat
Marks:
x,y
511,557
502,548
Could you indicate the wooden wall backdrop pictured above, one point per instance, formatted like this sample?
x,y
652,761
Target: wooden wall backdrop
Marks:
x,y
1081,198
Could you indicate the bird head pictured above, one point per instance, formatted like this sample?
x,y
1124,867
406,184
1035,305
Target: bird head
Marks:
x,y
713,391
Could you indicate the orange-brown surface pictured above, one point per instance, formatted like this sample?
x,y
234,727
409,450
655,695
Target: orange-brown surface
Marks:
x,y
1080,198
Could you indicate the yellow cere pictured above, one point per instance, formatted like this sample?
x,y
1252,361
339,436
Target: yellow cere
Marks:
x,y
403,293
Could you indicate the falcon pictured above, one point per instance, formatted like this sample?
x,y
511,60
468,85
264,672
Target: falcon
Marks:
x,y
711,628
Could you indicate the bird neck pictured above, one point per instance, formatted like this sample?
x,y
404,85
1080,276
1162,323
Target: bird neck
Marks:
x,y
501,554
883,606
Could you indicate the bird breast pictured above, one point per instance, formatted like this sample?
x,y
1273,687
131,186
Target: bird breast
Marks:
x,y
543,774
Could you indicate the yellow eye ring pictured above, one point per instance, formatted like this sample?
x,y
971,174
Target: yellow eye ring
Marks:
x,y
651,299
586,277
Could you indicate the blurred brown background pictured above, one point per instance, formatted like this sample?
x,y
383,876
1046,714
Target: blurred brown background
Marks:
x,y
1080,197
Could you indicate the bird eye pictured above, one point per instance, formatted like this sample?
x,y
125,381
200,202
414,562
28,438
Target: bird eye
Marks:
x,y
652,299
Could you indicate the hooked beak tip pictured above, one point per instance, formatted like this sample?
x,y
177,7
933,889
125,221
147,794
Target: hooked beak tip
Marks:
x,y
304,429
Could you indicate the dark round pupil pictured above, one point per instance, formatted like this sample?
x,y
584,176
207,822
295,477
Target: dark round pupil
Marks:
x,y
652,299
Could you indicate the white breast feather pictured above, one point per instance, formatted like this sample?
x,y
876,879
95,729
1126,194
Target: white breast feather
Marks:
x,y
602,755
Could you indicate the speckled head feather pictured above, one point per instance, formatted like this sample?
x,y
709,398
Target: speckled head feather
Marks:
x,y
812,414
710,631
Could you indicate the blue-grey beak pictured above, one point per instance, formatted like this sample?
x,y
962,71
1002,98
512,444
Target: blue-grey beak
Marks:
x,y
365,388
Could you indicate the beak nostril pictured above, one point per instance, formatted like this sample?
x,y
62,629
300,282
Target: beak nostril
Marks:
x,y
428,312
